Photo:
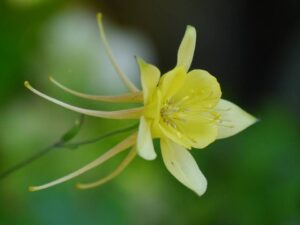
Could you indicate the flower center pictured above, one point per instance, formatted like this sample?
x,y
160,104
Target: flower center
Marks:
x,y
173,111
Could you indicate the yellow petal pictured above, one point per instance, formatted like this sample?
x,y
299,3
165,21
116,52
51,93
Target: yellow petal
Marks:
x,y
187,119
183,166
128,142
194,130
187,48
202,88
174,134
171,82
150,76
232,119
201,132
152,109
145,146
129,97
134,113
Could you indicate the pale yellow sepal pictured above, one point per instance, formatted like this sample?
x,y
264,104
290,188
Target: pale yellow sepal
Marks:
x,y
134,113
145,146
122,146
131,155
128,97
233,119
183,166
150,76
112,59
187,47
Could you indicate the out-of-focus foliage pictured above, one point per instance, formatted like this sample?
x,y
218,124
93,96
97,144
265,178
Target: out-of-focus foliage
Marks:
x,y
253,178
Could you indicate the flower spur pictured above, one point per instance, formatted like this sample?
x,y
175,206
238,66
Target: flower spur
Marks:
x,y
182,108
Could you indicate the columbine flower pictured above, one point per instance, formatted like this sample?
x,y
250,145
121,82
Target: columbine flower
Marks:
x,y
182,108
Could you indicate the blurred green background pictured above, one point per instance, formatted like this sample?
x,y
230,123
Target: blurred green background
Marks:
x,y
252,47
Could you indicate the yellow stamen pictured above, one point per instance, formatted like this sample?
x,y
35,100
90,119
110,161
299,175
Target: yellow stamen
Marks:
x,y
121,74
133,113
128,97
131,155
128,142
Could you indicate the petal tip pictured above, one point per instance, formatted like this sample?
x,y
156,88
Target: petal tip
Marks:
x,y
148,157
146,150
79,186
253,119
145,147
235,119
201,191
190,28
256,120
99,16
27,84
140,61
32,189
187,47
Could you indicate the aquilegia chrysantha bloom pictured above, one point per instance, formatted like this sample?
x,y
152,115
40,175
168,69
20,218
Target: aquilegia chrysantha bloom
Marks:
x,y
182,108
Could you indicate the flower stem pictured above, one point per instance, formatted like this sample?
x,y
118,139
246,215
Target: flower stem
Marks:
x,y
62,144
90,141
29,160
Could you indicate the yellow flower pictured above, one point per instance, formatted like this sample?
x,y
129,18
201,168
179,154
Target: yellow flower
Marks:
x,y
182,108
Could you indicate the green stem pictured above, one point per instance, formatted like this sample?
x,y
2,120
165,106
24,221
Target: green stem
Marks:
x,y
63,144
86,142
29,160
